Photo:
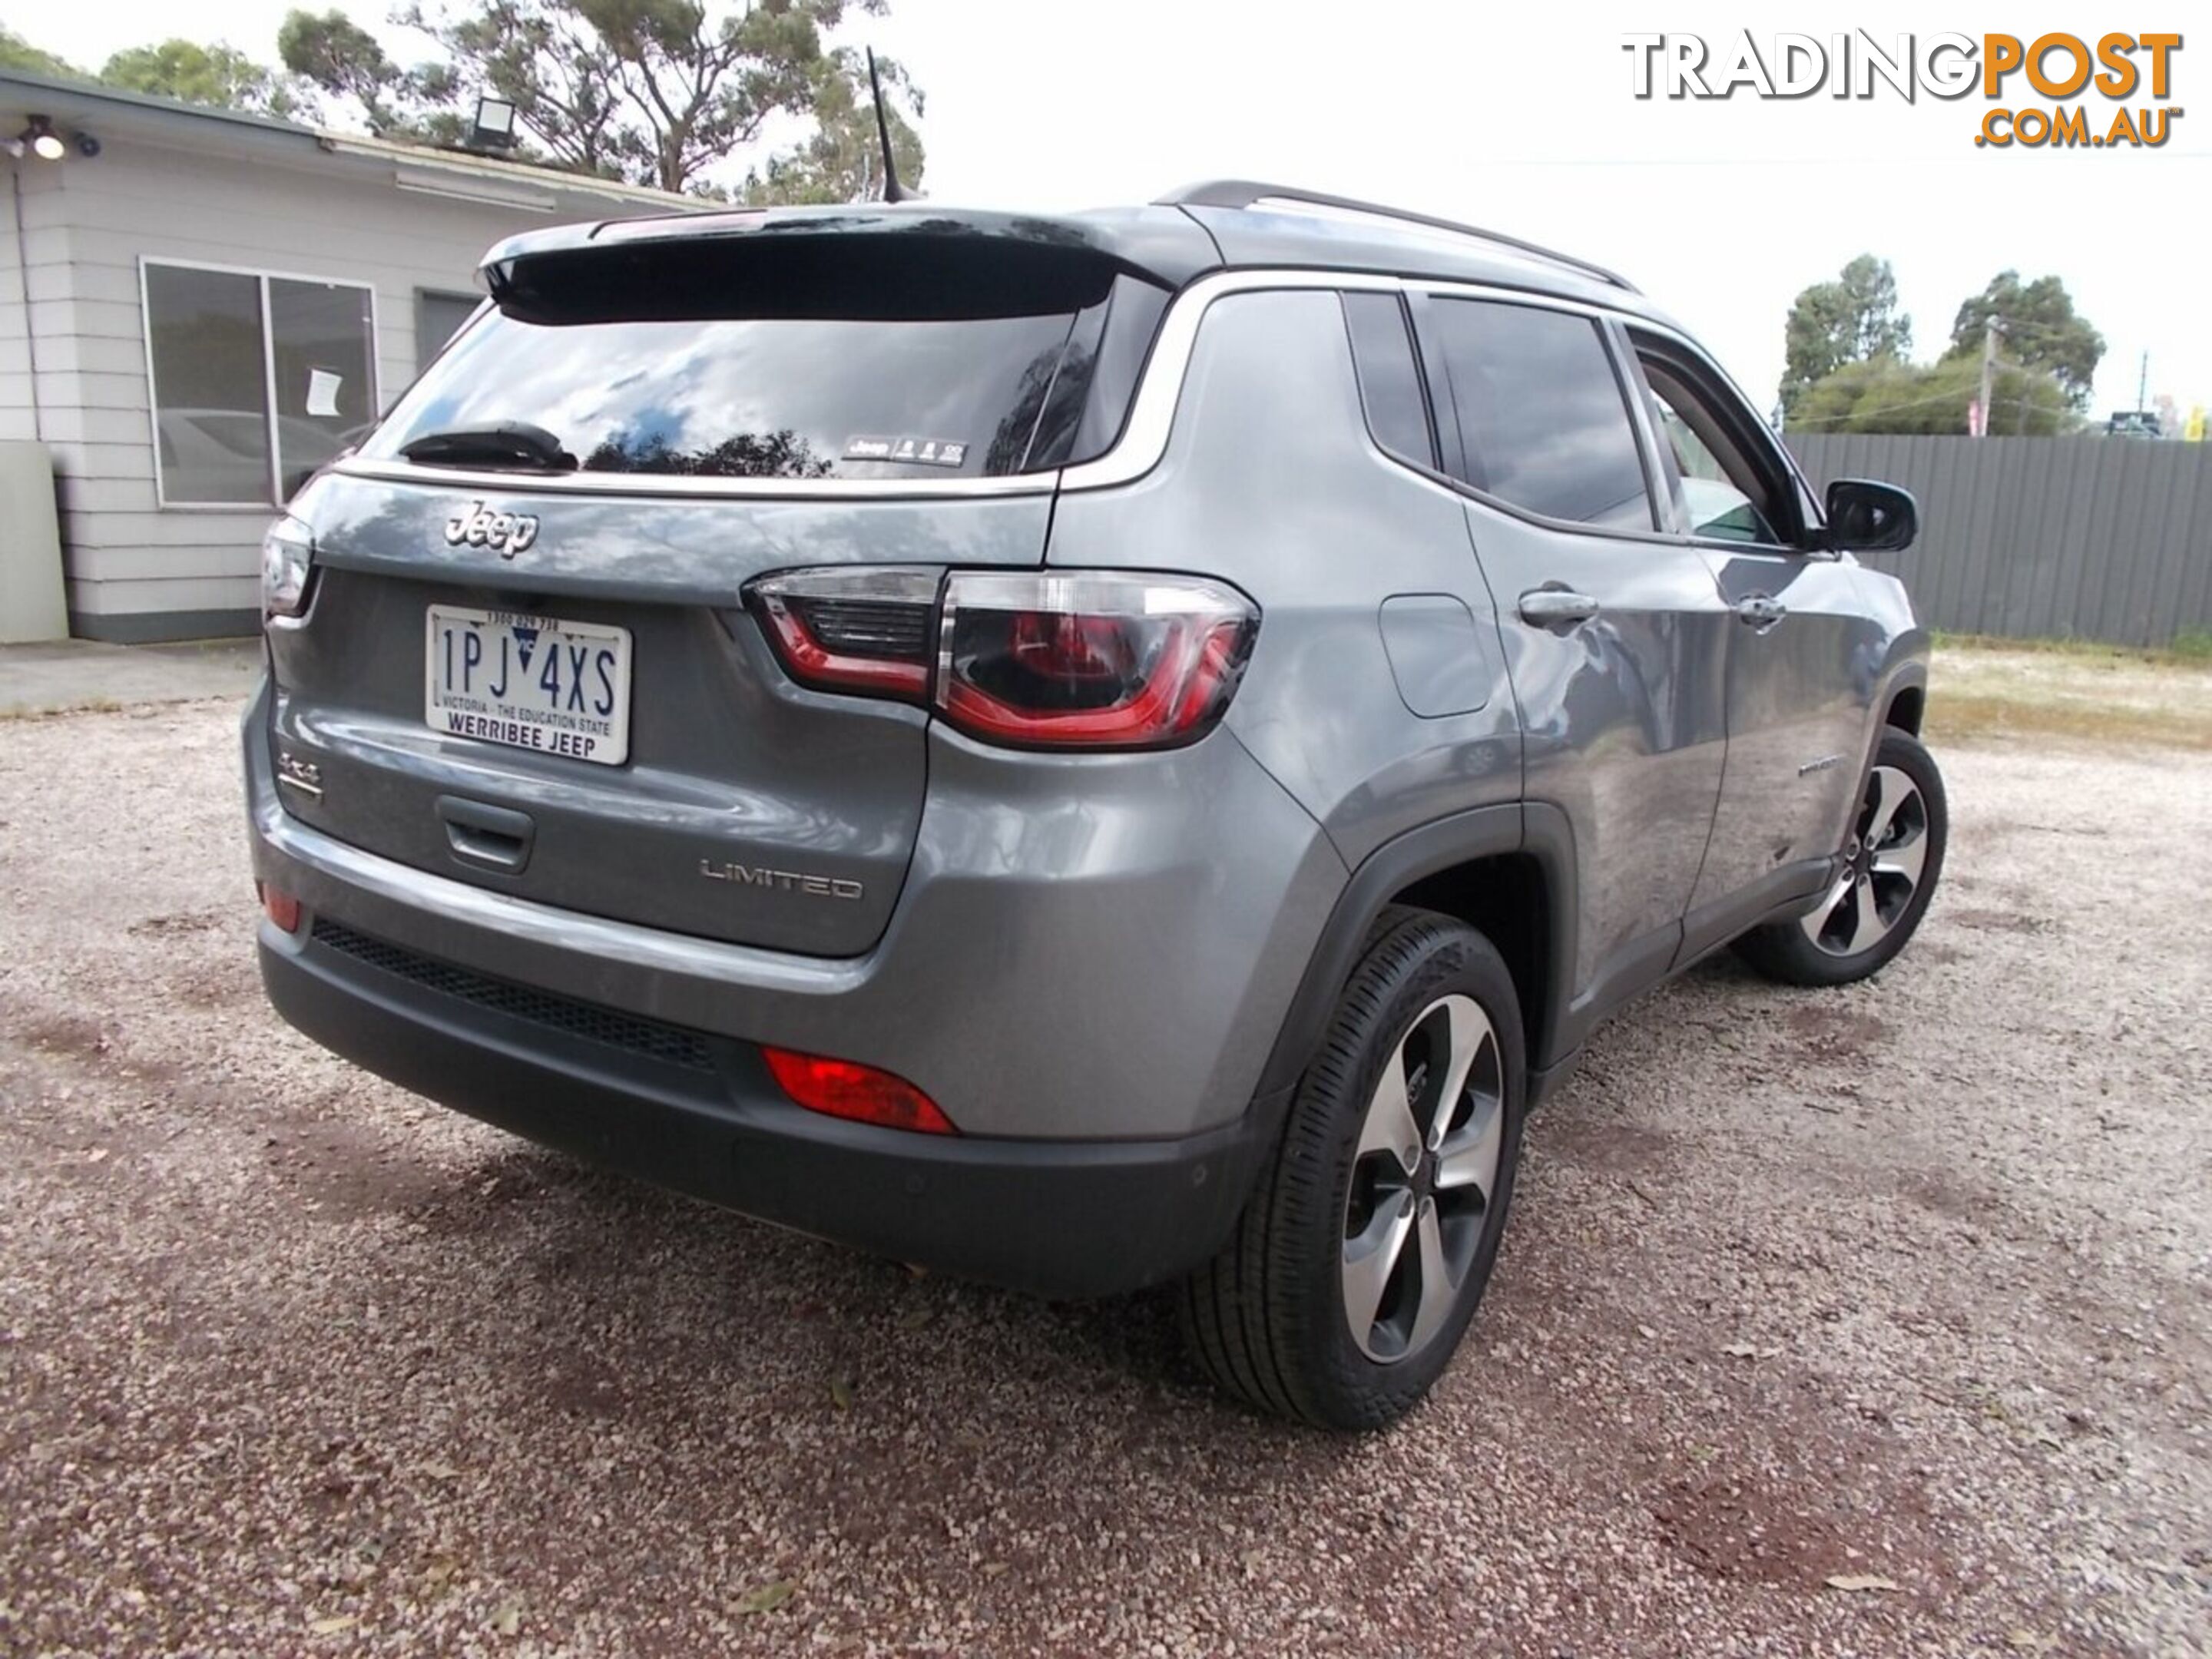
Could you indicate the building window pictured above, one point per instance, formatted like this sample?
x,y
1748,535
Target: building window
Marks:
x,y
257,380
438,318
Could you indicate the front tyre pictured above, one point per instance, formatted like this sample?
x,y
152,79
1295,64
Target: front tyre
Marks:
x,y
1367,1243
1892,858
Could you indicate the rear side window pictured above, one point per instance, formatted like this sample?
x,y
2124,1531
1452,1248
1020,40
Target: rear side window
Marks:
x,y
1541,412
884,366
1389,381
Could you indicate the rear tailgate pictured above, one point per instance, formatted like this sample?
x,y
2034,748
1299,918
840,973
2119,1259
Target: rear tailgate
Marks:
x,y
747,808
537,675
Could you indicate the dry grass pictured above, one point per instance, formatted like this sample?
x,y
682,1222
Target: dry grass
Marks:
x,y
2082,693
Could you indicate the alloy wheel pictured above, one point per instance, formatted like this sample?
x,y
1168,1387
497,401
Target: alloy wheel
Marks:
x,y
1882,864
1422,1179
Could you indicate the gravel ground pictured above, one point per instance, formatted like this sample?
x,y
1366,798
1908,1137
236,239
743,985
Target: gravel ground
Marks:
x,y
1905,1282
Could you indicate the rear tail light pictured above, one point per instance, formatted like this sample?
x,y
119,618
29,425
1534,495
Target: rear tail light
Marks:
x,y
287,553
867,629
843,1088
1091,661
1095,659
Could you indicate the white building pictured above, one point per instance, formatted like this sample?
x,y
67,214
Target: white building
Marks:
x,y
198,306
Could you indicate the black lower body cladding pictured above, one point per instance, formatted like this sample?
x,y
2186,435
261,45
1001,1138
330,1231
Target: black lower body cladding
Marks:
x,y
700,1114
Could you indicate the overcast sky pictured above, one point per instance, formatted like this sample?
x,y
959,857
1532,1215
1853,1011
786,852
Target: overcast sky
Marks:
x,y
1521,117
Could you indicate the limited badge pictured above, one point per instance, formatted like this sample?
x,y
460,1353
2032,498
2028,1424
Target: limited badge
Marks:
x,y
907,451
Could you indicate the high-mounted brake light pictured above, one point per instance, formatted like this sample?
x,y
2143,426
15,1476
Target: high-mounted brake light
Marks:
x,y
1086,659
843,1088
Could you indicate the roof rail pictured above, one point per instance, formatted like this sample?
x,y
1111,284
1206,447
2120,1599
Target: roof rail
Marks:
x,y
1244,192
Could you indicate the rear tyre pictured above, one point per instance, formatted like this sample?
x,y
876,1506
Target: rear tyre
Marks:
x,y
1892,858
1367,1243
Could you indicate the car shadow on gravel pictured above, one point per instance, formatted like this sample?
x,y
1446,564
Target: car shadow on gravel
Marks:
x,y
664,1281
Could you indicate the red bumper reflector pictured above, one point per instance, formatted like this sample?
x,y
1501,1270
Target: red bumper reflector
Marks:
x,y
281,907
841,1088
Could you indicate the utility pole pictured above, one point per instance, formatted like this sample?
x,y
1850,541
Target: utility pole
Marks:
x,y
2143,385
1989,374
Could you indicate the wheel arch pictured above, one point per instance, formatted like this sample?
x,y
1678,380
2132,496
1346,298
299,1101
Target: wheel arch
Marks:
x,y
1903,699
1507,871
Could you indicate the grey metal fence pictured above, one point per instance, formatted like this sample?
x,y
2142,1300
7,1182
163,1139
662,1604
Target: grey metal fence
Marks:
x,y
2093,538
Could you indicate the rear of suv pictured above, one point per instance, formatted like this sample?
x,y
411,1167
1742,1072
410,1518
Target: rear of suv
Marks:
x,y
1085,752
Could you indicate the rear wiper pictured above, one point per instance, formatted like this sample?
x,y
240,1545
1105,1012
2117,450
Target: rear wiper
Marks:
x,y
498,444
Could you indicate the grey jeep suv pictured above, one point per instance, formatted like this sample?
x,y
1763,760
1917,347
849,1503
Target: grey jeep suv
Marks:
x,y
1086,753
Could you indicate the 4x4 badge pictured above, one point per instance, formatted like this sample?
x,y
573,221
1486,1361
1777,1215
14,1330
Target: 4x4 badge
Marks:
x,y
506,533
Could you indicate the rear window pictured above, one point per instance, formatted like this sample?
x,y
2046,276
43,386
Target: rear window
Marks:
x,y
1542,413
890,363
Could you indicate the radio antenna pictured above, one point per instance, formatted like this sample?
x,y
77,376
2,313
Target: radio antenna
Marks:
x,y
892,193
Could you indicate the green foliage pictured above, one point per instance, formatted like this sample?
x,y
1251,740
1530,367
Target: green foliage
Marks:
x,y
1848,367
844,160
330,51
1885,395
2040,329
342,58
656,92
18,53
1852,319
218,76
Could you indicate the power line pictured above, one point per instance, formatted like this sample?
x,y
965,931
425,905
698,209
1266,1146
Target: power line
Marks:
x,y
1793,422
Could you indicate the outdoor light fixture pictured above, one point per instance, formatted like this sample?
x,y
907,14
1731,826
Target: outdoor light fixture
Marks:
x,y
494,125
42,141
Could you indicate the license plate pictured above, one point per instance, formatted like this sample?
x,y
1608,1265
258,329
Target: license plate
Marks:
x,y
562,687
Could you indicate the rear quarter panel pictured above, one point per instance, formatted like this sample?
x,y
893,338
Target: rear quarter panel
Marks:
x,y
1270,481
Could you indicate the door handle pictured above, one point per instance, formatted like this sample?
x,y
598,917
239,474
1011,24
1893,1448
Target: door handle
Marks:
x,y
1556,606
491,837
1761,610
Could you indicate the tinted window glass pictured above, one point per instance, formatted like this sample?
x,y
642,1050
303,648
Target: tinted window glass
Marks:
x,y
1541,412
1389,383
210,387
782,397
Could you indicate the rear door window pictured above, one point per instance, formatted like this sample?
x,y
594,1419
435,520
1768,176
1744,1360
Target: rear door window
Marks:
x,y
1389,379
1542,415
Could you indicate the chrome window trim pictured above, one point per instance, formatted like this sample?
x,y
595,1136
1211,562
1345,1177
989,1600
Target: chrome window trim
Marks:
x,y
647,483
1152,415
1141,447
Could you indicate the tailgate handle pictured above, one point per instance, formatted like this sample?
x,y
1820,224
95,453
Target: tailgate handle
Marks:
x,y
490,837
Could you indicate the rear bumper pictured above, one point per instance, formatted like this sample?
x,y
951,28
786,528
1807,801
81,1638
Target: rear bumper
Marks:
x,y
699,1114
1085,949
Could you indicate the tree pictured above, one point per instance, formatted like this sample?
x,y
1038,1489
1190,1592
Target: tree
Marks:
x,y
18,53
2039,328
657,92
346,61
219,75
844,160
1852,319
1884,394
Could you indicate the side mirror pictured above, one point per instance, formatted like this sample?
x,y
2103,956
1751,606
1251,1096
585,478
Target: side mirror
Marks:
x,y
1868,517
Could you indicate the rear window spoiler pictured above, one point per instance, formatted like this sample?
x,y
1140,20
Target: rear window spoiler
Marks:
x,y
870,261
